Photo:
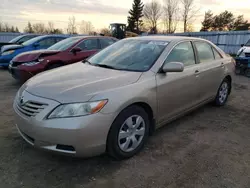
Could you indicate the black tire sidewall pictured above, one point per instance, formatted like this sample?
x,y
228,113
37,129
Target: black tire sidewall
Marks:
x,y
217,101
112,142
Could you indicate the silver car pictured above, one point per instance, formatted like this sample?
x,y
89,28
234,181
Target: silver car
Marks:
x,y
114,100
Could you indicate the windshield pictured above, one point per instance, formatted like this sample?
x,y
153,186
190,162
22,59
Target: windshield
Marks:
x,y
14,40
248,43
132,55
64,44
32,41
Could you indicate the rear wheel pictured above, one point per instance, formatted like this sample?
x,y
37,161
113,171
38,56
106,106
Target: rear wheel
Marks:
x,y
128,133
223,93
247,72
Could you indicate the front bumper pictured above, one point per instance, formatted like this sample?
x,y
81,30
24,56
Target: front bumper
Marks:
x,y
20,74
80,136
4,62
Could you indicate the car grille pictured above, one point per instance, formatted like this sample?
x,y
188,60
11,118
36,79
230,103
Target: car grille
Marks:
x,y
15,64
31,108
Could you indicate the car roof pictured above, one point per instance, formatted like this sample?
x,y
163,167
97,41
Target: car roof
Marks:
x,y
91,36
166,38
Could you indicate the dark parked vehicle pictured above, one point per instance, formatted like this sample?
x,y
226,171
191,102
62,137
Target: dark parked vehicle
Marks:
x,y
19,40
68,51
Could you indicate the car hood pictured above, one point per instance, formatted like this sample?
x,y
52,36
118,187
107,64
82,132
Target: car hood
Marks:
x,y
78,82
11,47
34,55
245,49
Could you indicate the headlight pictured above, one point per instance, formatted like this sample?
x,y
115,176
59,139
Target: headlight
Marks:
x,y
8,52
31,63
77,109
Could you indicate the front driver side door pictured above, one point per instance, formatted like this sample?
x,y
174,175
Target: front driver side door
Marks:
x,y
177,91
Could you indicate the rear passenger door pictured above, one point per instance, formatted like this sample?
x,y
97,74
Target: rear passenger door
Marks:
x,y
89,47
211,69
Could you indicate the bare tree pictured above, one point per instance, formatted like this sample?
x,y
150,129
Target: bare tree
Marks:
x,y
86,27
51,27
171,17
105,32
72,25
152,13
189,12
39,28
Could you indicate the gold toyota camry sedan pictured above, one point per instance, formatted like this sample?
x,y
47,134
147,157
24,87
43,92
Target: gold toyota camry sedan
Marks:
x,y
112,101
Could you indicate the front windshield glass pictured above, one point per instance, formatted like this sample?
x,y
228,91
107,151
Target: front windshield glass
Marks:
x,y
32,41
14,40
132,54
64,44
248,43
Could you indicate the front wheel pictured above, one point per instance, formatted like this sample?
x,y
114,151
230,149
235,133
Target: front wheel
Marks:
x,y
223,93
128,133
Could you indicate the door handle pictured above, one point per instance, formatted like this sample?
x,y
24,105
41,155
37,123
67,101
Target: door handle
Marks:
x,y
196,71
222,65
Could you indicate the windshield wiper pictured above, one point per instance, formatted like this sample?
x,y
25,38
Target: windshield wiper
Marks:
x,y
86,61
105,66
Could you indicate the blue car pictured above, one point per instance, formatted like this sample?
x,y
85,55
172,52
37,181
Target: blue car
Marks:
x,y
42,42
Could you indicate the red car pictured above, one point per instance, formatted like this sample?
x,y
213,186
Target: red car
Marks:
x,y
70,50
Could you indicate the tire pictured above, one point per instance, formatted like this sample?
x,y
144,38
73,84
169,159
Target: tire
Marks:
x,y
223,93
237,71
247,73
53,66
121,138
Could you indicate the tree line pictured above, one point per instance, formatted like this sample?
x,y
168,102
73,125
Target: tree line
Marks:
x,y
5,27
225,21
150,15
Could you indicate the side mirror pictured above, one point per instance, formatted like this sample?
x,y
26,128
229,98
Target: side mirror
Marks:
x,y
75,50
19,42
173,67
36,44
242,45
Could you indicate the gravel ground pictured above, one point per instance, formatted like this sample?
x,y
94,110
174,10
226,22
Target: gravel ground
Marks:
x,y
207,148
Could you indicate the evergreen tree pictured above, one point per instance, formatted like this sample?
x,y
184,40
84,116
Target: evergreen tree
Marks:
x,y
208,21
29,28
17,30
136,14
12,29
131,24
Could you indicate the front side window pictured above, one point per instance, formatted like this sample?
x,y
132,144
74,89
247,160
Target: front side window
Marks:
x,y
89,44
183,53
131,54
205,52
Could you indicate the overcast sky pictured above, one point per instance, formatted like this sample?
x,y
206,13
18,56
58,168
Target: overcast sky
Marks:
x,y
99,12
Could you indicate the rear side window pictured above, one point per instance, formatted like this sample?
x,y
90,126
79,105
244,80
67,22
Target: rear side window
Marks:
x,y
106,42
216,54
183,53
89,44
205,52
